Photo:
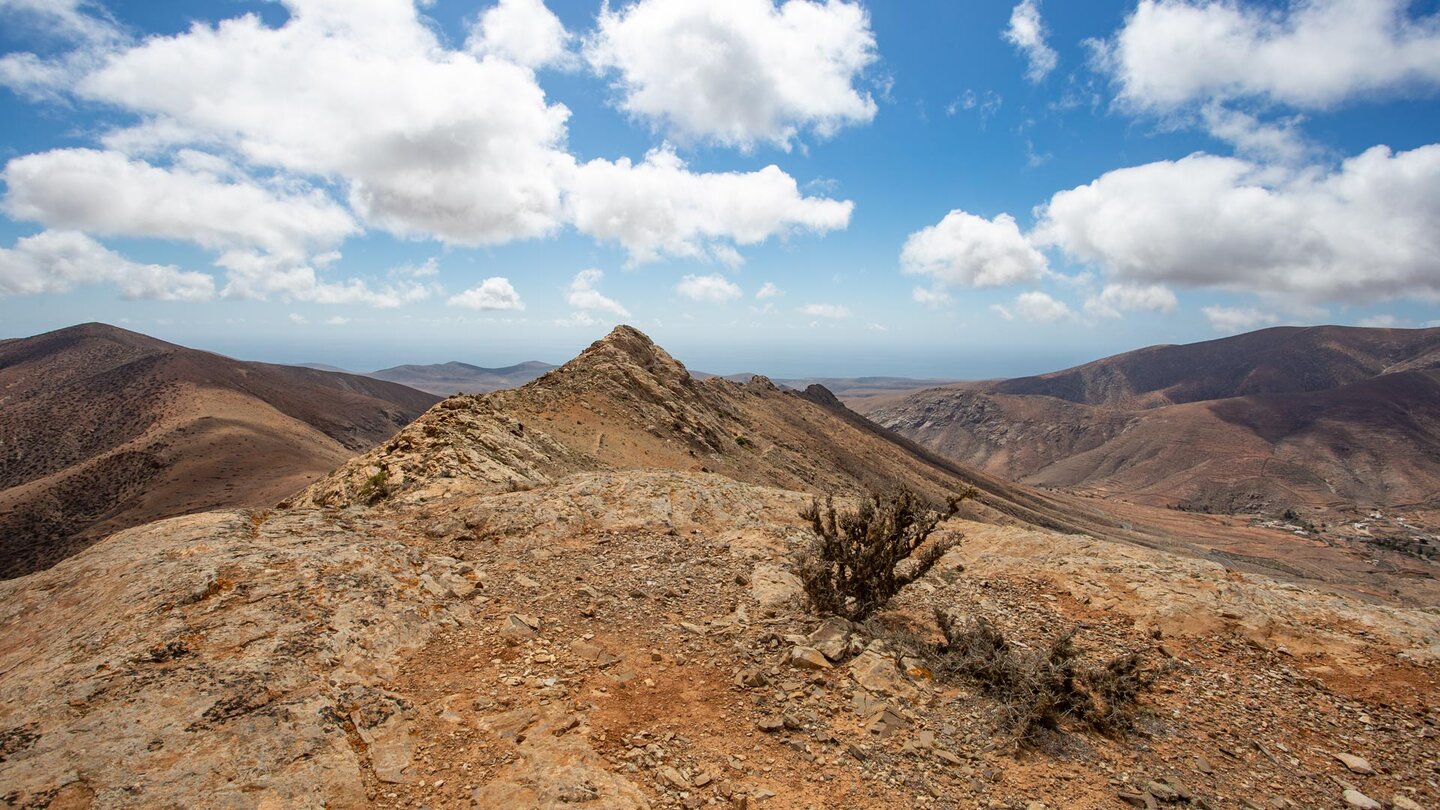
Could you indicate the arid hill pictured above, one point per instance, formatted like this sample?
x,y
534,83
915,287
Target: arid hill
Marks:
x,y
583,594
462,378
106,428
1328,422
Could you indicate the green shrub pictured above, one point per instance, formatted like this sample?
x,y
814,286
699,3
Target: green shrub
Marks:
x,y
376,488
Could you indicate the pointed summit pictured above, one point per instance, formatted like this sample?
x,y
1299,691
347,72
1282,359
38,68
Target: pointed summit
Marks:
x,y
628,357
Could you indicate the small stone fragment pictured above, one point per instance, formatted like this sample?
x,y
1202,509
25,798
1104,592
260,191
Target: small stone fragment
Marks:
x,y
1360,801
808,658
1356,764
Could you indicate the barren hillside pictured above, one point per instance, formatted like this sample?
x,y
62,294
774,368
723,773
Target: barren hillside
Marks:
x,y
106,428
1328,422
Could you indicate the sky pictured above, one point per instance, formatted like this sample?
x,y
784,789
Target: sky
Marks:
x,y
958,189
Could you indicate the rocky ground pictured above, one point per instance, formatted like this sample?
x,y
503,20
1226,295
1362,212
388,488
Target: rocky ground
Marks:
x,y
636,639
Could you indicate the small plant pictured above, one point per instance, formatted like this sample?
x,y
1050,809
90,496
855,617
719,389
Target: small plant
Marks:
x,y
855,566
744,442
376,488
1041,688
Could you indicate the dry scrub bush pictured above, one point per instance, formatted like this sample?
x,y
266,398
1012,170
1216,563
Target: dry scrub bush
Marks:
x,y
1041,688
854,567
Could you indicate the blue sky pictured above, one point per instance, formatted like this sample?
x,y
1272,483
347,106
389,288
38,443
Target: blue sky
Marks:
x,y
959,189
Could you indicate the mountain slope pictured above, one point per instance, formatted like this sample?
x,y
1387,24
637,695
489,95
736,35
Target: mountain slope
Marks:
x,y
624,403
107,428
462,378
1324,417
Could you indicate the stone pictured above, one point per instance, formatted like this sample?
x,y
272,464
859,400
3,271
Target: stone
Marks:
x,y
884,721
1360,801
1399,802
1203,765
876,672
675,778
770,725
808,658
1135,799
519,627
1162,791
773,586
832,637
1356,764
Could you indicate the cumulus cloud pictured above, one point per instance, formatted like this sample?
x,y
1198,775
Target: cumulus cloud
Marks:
x,y
492,293
59,261
427,142
1313,55
523,31
1364,232
1232,320
362,101
964,250
583,295
107,193
714,288
768,290
832,311
84,25
660,208
1115,299
1027,33
1034,306
258,276
740,72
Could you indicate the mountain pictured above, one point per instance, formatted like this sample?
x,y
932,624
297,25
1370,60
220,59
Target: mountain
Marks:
x,y
462,378
106,428
583,593
845,388
1319,419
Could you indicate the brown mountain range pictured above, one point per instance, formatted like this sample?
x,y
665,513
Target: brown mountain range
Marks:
x,y
583,593
106,428
462,378
1287,418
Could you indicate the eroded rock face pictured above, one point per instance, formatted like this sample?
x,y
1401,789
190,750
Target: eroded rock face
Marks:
x,y
229,659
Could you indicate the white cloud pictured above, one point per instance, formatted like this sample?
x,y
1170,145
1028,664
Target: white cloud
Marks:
x,y
522,31
1252,137
108,193
337,320
492,293
1034,306
1027,33
1237,319
714,288
768,290
832,311
425,141
297,318
579,319
85,25
1118,298
970,251
426,269
738,72
1365,232
932,298
583,295
1313,55
364,102
659,208
58,261
259,276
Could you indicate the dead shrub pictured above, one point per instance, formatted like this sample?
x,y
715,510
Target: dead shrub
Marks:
x,y
1041,689
862,558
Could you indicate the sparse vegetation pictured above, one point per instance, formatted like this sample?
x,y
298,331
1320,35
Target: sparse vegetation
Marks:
x,y
1040,689
744,442
376,488
856,564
